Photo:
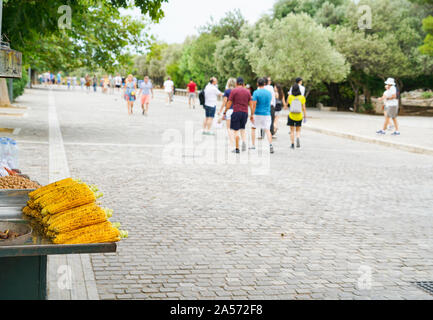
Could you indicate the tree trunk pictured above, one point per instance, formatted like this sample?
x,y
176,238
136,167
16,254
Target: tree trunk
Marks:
x,y
4,94
367,94
334,94
356,91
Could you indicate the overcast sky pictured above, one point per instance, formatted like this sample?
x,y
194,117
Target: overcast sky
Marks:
x,y
183,17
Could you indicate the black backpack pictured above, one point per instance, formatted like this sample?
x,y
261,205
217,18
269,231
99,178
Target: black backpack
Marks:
x,y
201,97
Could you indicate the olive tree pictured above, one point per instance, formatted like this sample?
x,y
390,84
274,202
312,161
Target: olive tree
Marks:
x,y
296,46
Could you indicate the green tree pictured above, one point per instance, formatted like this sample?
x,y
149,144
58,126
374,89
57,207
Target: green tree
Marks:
x,y
297,46
200,62
231,59
230,25
427,47
98,35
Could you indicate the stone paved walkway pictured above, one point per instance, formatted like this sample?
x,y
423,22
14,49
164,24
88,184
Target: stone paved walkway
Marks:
x,y
337,219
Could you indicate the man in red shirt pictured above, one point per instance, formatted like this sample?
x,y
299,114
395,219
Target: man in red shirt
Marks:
x,y
240,99
192,93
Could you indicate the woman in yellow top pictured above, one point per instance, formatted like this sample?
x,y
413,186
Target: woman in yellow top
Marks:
x,y
295,119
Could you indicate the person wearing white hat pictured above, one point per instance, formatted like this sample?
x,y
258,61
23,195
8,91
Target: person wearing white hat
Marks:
x,y
391,106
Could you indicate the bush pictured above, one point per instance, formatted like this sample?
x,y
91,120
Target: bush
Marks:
x,y
366,108
427,95
19,85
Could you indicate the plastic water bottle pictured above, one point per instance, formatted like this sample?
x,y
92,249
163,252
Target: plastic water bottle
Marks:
x,y
4,149
13,147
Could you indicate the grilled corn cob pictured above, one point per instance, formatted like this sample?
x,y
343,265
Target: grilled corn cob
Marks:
x,y
48,188
72,200
31,204
63,194
97,232
27,210
76,219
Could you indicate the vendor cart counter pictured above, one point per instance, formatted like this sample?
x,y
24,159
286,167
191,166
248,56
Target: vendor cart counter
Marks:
x,y
23,268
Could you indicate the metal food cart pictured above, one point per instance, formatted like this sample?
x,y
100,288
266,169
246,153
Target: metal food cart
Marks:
x,y
23,267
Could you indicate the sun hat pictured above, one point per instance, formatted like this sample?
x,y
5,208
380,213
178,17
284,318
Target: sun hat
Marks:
x,y
390,81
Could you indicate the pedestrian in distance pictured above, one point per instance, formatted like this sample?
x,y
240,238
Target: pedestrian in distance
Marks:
x,y
192,93
88,83
112,84
231,84
59,78
390,101
240,99
211,94
82,82
169,90
280,103
130,93
118,82
299,81
95,83
146,88
298,113
271,89
261,103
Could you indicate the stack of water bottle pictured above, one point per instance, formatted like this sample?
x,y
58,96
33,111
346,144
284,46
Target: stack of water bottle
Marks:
x,y
8,156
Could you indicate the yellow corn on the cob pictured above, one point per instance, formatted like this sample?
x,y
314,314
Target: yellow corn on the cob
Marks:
x,y
62,194
31,204
104,227
76,219
27,210
73,200
48,188
100,236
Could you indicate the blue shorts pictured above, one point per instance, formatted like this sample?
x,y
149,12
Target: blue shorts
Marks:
x,y
239,121
210,111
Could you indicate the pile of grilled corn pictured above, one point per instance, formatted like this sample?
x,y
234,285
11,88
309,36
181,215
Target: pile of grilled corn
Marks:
x,y
68,213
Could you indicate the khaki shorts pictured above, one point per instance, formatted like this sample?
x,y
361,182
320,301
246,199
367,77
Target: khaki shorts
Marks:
x,y
392,112
262,122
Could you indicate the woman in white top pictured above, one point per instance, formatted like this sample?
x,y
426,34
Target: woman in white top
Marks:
x,y
390,106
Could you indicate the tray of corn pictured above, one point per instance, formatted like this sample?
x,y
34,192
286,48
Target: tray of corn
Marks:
x,y
67,212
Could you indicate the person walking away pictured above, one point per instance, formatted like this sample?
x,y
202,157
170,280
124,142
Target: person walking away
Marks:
x,y
111,80
95,83
169,90
261,103
105,84
240,99
68,82
280,103
270,88
146,88
118,82
74,82
59,78
299,82
298,113
211,94
391,107
88,83
82,82
192,93
130,89
231,84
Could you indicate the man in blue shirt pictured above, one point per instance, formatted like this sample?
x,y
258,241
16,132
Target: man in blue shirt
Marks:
x,y
262,99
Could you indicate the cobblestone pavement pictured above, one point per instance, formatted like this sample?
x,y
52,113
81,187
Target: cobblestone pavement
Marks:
x,y
337,219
